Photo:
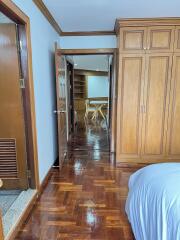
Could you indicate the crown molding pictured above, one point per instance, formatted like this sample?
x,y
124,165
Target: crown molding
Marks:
x,y
42,7
88,33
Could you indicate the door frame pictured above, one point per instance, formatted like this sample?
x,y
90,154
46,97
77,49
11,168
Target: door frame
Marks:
x,y
8,8
102,51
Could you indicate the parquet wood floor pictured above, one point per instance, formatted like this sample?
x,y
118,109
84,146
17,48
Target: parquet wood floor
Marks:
x,y
86,199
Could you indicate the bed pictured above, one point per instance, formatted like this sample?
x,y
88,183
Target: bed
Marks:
x,y
153,202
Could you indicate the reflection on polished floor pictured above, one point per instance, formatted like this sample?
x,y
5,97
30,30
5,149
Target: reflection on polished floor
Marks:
x,y
86,199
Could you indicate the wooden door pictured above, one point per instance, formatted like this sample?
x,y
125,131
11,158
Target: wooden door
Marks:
x,y
173,140
61,91
177,39
12,130
133,39
157,80
129,107
70,96
160,39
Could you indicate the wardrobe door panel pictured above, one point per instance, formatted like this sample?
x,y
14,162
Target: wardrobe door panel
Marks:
x,y
158,74
131,74
160,39
177,40
133,40
174,123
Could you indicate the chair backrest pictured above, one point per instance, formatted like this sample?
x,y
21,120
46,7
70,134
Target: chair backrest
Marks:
x,y
87,103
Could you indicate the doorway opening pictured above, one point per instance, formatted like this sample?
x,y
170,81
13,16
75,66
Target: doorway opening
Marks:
x,y
89,77
90,108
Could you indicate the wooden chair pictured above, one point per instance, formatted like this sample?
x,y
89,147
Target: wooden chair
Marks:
x,y
90,109
99,109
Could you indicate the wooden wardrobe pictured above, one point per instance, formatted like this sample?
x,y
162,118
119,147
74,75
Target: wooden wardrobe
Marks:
x,y
148,108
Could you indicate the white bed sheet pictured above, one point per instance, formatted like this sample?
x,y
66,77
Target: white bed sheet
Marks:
x,y
153,203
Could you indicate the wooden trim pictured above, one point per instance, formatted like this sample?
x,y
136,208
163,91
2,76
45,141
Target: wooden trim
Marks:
x,y
88,33
129,22
42,7
90,72
101,51
14,13
114,94
96,51
32,104
16,228
131,165
45,182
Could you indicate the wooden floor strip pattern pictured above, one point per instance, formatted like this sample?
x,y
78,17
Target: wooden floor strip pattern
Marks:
x,y
86,199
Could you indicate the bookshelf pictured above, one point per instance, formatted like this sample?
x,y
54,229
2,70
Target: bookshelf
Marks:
x,y
80,91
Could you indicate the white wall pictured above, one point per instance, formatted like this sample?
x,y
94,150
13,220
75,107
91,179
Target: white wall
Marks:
x,y
98,86
81,42
91,62
43,37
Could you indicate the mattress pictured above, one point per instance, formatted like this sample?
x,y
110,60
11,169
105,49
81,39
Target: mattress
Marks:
x,y
153,202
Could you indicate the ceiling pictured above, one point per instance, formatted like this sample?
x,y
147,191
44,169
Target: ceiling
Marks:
x,y
100,15
91,62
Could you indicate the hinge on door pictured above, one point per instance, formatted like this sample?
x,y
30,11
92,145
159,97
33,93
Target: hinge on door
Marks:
x,y
28,174
22,83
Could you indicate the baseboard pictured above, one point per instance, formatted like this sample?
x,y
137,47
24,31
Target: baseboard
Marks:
x,y
130,165
45,182
29,208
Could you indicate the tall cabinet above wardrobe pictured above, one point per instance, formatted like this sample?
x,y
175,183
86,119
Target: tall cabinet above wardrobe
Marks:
x,y
148,108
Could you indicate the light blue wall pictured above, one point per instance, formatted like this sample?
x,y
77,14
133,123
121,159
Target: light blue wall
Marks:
x,y
98,86
43,37
80,42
